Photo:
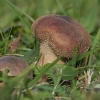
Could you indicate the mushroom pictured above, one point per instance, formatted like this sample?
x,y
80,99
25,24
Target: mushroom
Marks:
x,y
14,64
58,35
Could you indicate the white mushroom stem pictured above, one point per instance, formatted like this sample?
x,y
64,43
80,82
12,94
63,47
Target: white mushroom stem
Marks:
x,y
48,56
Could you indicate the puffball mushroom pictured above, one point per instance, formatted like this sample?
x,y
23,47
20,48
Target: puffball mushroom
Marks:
x,y
14,64
59,35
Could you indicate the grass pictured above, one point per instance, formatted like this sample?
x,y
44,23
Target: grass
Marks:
x,y
17,18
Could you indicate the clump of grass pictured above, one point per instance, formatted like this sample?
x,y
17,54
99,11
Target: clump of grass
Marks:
x,y
71,83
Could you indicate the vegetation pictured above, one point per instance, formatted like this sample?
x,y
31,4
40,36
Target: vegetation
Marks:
x,y
16,18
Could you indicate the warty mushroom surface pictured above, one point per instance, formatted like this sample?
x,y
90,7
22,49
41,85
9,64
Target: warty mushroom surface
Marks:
x,y
59,35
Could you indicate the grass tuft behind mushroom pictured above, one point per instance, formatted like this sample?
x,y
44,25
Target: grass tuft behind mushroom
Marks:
x,y
67,81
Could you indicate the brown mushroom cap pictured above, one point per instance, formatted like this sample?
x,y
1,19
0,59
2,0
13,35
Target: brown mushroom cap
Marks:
x,y
62,34
14,64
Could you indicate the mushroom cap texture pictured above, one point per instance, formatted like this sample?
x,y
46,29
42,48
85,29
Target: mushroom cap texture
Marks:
x,y
62,33
14,64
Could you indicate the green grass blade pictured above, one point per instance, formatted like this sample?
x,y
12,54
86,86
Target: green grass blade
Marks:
x,y
44,70
88,53
7,41
61,7
86,67
79,10
2,42
17,13
29,17
74,58
97,38
2,35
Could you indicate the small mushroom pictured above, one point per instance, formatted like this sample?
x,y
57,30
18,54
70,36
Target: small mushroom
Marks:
x,y
14,64
59,35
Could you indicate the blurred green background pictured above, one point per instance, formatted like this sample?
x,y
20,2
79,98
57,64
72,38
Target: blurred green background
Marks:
x,y
85,11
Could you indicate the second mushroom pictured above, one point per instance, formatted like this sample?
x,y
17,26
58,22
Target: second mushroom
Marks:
x,y
58,35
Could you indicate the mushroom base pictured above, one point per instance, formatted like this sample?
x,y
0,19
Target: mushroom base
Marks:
x,y
48,56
